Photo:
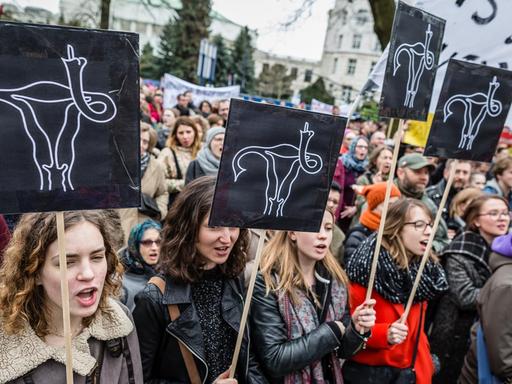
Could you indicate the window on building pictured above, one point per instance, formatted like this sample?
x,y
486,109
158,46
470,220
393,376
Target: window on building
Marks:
x,y
308,75
377,46
294,71
335,65
351,68
362,17
356,42
140,27
343,17
346,93
340,41
124,25
265,66
372,65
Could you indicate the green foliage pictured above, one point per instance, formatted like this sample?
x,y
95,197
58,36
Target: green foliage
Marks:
x,y
370,110
243,62
148,63
317,91
181,39
275,82
223,67
383,13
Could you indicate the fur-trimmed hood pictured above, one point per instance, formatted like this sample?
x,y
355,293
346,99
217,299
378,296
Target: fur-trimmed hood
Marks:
x,y
22,352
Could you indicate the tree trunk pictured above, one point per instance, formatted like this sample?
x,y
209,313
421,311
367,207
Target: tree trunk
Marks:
x,y
383,13
105,14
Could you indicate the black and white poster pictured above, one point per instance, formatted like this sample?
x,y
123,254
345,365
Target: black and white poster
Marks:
x,y
414,50
276,168
473,105
70,119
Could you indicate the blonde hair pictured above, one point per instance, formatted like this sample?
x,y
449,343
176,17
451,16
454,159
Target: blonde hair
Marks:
x,y
398,214
466,196
280,256
22,300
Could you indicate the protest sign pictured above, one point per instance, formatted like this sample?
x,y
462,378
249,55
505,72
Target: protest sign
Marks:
x,y
173,86
414,52
70,124
318,106
471,112
276,168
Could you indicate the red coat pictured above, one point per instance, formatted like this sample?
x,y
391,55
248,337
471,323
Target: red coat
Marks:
x,y
379,352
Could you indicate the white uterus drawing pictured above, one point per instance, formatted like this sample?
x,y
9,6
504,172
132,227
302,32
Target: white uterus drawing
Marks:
x,y
282,159
420,58
477,106
54,157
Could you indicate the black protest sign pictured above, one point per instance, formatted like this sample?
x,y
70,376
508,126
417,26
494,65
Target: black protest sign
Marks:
x,y
414,51
276,168
471,112
69,106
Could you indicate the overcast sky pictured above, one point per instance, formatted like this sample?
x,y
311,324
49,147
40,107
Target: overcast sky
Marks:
x,y
304,39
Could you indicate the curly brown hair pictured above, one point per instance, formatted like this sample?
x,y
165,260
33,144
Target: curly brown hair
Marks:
x,y
22,300
179,258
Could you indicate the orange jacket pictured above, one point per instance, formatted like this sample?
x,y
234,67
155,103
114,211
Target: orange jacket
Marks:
x,y
379,352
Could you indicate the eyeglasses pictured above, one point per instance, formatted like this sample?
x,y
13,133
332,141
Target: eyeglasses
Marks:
x,y
496,214
149,243
362,146
419,225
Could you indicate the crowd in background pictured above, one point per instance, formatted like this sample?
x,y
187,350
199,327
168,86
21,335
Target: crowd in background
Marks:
x,y
183,282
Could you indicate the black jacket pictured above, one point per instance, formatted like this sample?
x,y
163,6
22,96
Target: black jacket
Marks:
x,y
194,171
162,361
355,237
280,356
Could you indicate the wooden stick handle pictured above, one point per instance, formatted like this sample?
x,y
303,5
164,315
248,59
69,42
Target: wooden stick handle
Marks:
x,y
64,291
426,254
353,108
247,304
375,260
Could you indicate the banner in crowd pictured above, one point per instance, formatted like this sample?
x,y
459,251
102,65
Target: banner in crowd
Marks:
x,y
476,31
276,168
318,106
69,106
173,86
414,52
470,115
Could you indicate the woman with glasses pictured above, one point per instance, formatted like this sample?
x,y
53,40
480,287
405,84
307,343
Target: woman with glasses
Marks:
x,y
466,263
350,166
396,352
139,259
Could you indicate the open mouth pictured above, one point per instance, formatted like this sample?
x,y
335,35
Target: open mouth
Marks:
x,y
87,297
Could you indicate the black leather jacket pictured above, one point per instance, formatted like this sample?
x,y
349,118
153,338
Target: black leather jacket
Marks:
x,y
162,361
280,356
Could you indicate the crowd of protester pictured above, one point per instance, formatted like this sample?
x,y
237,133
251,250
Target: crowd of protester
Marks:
x,y
156,295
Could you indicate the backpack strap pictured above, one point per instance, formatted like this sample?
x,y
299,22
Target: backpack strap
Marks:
x,y
174,313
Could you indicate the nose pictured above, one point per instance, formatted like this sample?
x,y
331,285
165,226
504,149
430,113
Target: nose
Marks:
x,y
86,272
322,234
428,229
225,235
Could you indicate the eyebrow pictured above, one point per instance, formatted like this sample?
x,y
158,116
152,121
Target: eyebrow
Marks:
x,y
75,255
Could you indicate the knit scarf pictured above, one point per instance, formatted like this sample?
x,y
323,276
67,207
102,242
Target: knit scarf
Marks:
x,y
370,219
208,162
301,319
391,282
144,162
350,161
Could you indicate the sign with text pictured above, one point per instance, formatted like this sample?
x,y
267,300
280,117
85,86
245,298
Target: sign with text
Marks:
x,y
276,168
472,108
70,119
412,61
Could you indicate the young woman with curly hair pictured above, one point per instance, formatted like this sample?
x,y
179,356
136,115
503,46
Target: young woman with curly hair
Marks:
x,y
300,318
201,266
105,347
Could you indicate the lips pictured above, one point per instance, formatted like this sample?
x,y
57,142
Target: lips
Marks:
x,y
222,251
87,297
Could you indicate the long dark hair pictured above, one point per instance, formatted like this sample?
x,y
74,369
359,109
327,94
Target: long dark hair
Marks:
x,y
179,257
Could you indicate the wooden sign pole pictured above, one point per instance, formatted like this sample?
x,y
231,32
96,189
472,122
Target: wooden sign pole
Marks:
x,y
396,149
248,297
353,108
64,291
426,254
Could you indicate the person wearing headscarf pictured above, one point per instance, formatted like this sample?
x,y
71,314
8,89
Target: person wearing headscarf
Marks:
x,y
350,166
208,159
369,221
139,259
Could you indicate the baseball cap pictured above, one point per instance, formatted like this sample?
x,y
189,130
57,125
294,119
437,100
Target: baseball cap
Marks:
x,y
414,161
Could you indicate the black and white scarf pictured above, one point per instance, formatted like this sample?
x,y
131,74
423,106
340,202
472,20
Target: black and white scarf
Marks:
x,y
391,281
144,162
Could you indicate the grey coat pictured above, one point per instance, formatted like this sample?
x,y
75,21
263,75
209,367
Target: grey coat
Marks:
x,y
25,356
